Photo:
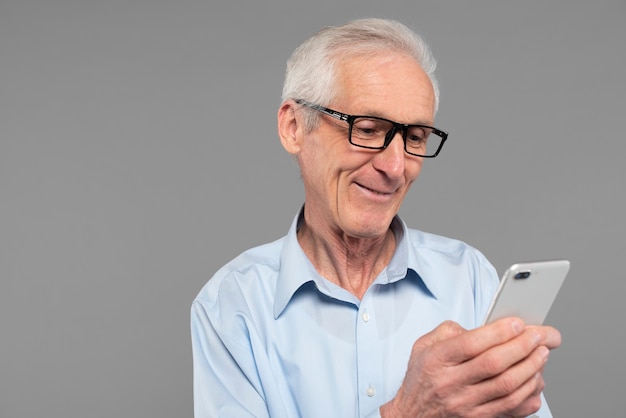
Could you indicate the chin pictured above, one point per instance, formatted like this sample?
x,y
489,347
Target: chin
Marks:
x,y
368,227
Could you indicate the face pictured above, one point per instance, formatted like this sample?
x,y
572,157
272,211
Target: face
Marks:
x,y
354,191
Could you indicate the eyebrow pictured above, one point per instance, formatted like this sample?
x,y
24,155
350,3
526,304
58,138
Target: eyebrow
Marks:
x,y
376,114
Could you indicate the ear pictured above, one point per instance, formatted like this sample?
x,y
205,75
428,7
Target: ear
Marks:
x,y
289,127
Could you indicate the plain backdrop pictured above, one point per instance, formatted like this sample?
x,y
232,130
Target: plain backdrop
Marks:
x,y
138,153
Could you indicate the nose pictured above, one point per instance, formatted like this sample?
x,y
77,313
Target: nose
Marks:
x,y
391,160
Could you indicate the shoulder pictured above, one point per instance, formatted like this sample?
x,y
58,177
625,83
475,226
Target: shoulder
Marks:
x,y
441,246
443,261
456,273
251,274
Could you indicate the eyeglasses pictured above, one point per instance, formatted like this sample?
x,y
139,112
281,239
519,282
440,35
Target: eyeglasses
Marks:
x,y
377,133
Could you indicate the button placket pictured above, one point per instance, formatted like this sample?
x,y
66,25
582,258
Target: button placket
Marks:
x,y
368,356
365,316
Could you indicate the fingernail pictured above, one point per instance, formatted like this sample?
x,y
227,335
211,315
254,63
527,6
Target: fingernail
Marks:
x,y
518,326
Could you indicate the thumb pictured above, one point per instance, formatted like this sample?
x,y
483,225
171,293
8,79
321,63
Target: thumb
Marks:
x,y
444,331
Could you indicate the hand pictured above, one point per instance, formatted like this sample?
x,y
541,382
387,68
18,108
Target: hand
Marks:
x,y
492,371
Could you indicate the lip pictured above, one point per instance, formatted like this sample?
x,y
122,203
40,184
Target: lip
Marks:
x,y
375,194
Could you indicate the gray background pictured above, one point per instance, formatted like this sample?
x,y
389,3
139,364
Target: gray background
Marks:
x,y
138,153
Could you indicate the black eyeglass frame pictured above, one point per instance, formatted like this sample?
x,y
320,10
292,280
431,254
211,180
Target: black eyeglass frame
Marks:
x,y
396,126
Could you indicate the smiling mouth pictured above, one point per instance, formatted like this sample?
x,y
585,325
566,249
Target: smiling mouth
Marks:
x,y
376,192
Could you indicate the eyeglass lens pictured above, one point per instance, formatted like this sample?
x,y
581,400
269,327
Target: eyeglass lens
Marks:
x,y
374,133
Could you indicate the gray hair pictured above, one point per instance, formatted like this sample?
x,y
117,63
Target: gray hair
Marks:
x,y
311,69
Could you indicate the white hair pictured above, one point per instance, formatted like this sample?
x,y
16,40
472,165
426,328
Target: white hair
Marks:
x,y
311,69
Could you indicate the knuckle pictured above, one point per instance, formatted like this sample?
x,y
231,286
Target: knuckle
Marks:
x,y
508,383
523,402
450,327
492,365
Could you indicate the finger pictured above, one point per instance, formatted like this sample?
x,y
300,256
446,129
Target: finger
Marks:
x,y
525,401
516,376
549,336
469,345
500,358
444,331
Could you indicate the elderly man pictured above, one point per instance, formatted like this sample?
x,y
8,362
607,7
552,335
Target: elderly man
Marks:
x,y
353,314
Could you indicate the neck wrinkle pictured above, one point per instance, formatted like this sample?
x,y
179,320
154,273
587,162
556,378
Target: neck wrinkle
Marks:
x,y
351,263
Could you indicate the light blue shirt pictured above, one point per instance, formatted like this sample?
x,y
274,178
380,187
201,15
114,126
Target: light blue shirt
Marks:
x,y
272,338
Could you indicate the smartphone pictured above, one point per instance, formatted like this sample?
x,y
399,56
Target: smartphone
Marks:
x,y
527,291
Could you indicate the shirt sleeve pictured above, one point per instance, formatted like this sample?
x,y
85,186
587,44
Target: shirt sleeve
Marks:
x,y
223,373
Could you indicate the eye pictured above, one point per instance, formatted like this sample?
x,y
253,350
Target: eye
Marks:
x,y
368,127
417,134
417,139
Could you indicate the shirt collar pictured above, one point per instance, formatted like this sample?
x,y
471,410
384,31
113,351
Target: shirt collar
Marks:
x,y
296,269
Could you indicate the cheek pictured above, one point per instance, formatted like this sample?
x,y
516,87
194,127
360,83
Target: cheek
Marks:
x,y
315,170
413,170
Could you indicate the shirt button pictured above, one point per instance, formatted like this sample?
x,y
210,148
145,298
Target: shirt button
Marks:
x,y
366,317
370,391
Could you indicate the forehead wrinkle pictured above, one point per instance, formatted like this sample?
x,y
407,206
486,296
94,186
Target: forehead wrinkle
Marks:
x,y
374,87
377,114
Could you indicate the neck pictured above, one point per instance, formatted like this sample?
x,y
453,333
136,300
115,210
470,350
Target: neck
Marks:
x,y
352,263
